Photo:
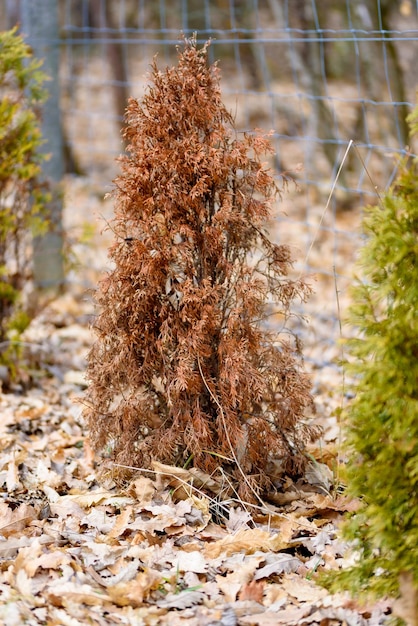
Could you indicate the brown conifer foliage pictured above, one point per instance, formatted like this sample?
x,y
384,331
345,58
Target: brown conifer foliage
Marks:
x,y
182,369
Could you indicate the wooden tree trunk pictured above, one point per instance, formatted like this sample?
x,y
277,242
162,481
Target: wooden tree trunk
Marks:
x,y
40,25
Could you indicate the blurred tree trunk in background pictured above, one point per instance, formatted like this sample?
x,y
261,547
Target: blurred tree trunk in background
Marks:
x,y
305,56
41,28
102,18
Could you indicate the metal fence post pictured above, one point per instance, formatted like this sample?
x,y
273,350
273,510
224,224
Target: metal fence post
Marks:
x,y
41,27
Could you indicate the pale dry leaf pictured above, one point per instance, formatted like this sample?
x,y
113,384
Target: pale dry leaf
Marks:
x,y
182,600
101,554
228,617
245,540
134,592
178,476
238,518
12,521
121,523
24,584
93,498
99,519
282,563
252,591
229,585
319,475
125,574
290,616
303,590
321,540
240,575
10,546
143,489
190,562
51,560
61,618
12,476
27,557
66,593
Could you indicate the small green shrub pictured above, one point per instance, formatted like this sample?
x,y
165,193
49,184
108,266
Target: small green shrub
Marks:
x,y
382,420
22,197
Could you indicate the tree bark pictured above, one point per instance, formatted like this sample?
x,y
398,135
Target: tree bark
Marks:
x,y
41,28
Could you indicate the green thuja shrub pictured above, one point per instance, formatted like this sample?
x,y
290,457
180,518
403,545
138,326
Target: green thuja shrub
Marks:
x,y
382,420
183,370
22,197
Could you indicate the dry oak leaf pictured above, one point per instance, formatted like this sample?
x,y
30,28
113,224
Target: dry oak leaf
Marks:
x,y
252,591
182,600
245,540
282,563
232,583
15,520
142,489
121,523
134,592
302,589
87,499
178,476
290,617
11,546
67,593
32,557
193,561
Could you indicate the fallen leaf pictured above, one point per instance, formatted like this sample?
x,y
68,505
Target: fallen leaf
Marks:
x,y
252,591
290,616
12,521
245,540
121,523
302,589
282,563
191,562
134,592
142,489
10,546
182,600
87,499
231,584
67,593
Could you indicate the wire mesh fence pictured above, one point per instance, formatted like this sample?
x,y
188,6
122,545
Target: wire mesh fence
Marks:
x,y
333,81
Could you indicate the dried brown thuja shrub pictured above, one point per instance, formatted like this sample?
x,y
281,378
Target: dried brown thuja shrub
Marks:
x,y
183,370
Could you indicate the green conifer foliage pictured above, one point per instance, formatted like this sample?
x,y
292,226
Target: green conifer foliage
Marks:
x,y
183,370
22,197
382,420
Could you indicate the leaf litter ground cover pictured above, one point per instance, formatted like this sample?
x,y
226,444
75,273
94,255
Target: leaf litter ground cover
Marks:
x,y
77,548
